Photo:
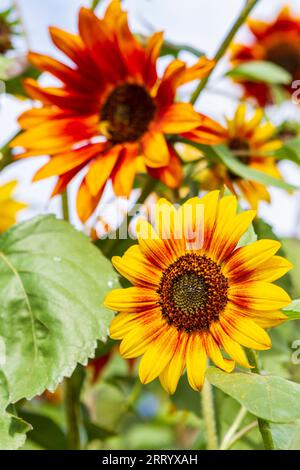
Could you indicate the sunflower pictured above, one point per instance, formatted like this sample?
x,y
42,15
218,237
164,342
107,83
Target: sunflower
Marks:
x,y
112,111
249,139
8,206
191,301
277,42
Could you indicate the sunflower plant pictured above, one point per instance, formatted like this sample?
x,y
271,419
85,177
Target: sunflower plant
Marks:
x,y
168,318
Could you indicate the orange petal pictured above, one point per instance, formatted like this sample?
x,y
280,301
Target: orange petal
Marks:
x,y
86,203
101,168
155,149
172,174
124,171
178,118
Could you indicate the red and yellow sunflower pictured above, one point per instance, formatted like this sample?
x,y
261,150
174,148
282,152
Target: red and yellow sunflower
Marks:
x,y
251,140
277,42
191,301
111,112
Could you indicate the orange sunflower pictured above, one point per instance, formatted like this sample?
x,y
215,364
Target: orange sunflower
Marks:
x,y
250,140
191,302
277,42
112,111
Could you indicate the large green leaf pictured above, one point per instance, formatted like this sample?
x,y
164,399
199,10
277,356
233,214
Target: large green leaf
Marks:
x,y
12,429
246,172
286,436
261,71
268,397
52,285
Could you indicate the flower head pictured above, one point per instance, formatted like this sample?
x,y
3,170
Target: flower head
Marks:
x,y
250,140
278,42
8,206
112,112
196,294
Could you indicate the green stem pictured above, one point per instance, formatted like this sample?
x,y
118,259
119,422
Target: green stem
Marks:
x,y
94,4
263,424
250,4
65,206
241,434
5,156
233,428
209,416
71,389
72,409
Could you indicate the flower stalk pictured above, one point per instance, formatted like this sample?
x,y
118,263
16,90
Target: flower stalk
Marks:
x,y
250,4
263,424
71,389
209,416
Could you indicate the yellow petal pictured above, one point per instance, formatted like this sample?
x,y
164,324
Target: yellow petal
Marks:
x,y
196,361
215,355
245,331
246,259
229,345
125,322
170,376
136,268
132,299
152,246
158,355
137,341
258,295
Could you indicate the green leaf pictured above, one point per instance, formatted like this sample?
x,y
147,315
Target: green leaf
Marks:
x,y
268,397
12,429
290,151
45,432
286,436
52,285
246,172
261,71
293,310
14,85
169,48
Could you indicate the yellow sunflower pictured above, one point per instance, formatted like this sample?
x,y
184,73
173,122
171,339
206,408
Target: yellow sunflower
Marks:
x,y
188,301
250,140
8,206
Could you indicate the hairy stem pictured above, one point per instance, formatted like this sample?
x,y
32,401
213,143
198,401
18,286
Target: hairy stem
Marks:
x,y
263,424
250,4
209,416
233,429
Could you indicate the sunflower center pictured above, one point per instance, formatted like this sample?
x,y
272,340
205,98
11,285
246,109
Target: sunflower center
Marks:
x,y
193,293
128,110
286,55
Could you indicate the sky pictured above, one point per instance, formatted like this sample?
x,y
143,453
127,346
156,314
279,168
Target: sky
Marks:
x,y
199,23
